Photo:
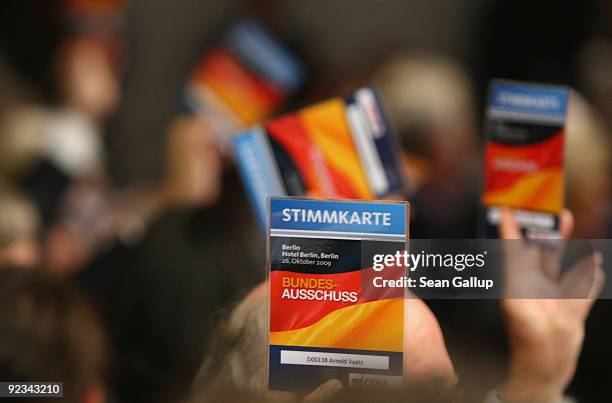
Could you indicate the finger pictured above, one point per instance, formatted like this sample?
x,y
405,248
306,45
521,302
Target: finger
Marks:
x,y
578,281
508,226
324,392
598,283
583,283
514,251
566,224
210,138
551,257
583,307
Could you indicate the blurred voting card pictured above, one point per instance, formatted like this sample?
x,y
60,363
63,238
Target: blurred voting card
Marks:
x,y
524,156
339,148
245,79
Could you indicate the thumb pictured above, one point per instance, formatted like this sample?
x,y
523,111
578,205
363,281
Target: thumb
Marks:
x,y
324,392
508,226
582,284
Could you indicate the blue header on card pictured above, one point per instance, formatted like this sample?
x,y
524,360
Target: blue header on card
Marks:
x,y
254,46
338,216
528,98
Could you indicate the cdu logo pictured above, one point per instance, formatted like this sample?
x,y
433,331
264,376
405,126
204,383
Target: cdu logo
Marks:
x,y
355,379
374,381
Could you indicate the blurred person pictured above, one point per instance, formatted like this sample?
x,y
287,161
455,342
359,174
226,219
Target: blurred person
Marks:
x,y
594,64
237,356
545,335
190,249
48,152
447,201
594,61
25,163
170,237
146,235
587,170
89,58
57,127
19,224
429,99
60,153
587,160
50,334
87,70
88,76
91,221
92,214
57,161
430,103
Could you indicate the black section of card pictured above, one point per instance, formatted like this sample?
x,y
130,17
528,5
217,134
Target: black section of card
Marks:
x,y
520,133
289,172
301,255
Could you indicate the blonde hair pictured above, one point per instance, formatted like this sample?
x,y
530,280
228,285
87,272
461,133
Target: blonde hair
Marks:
x,y
587,155
18,217
237,355
22,141
423,88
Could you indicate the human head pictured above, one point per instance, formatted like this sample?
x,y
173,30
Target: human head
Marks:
x,y
89,80
430,102
49,333
593,65
89,60
587,163
237,355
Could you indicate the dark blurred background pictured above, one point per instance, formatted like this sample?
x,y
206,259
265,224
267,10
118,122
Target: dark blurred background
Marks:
x,y
162,272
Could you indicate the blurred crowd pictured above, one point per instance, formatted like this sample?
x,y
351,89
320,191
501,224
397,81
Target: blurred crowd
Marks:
x,y
130,258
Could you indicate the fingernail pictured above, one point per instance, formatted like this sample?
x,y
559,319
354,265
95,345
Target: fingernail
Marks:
x,y
598,258
333,385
